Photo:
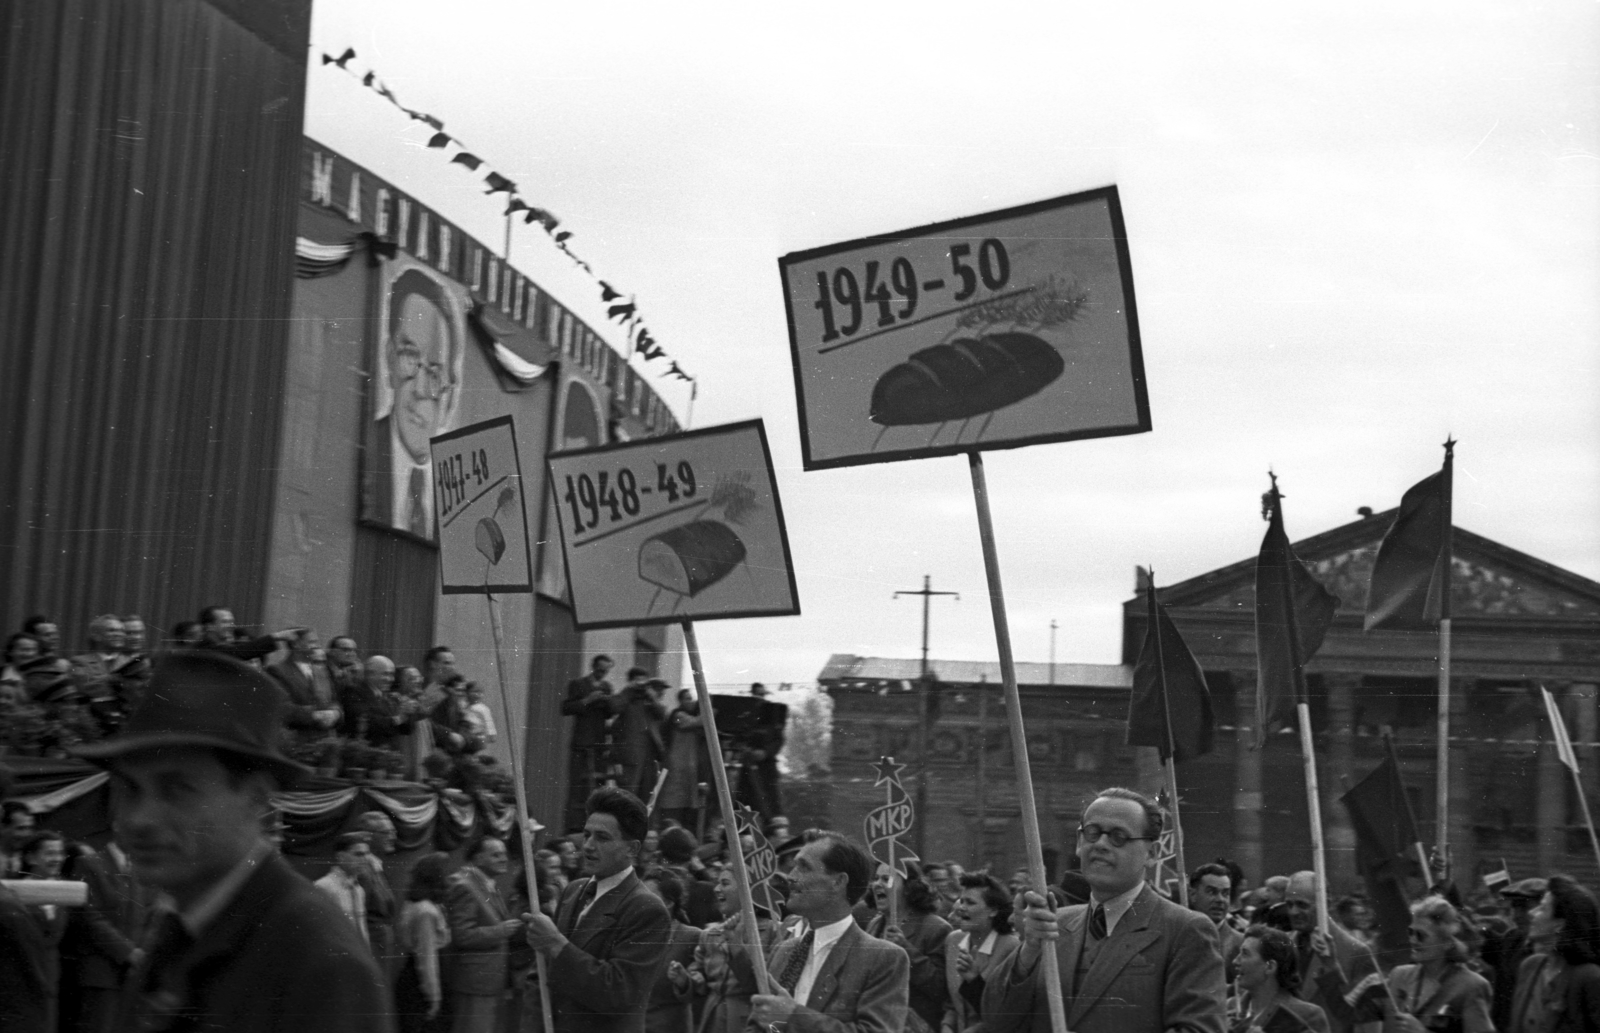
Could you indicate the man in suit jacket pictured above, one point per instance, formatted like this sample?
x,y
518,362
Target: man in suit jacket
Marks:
x,y
103,938
481,928
1130,960
313,710
636,732
592,703
1329,967
833,978
608,944
252,947
369,709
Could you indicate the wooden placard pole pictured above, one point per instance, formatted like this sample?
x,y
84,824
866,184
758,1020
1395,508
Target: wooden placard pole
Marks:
x,y
730,823
1171,763
1441,833
515,740
1033,841
1319,859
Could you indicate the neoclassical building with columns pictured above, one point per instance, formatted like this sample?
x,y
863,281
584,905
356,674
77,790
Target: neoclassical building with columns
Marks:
x,y
1518,623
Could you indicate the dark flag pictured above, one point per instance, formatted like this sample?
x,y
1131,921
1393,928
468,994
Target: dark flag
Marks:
x,y
1169,692
1386,848
1293,614
1410,584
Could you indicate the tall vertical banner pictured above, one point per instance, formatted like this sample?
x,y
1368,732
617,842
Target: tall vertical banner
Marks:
x,y
999,330
416,392
674,529
1011,328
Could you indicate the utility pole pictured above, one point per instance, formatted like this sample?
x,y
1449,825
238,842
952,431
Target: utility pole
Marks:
x,y
1052,650
924,715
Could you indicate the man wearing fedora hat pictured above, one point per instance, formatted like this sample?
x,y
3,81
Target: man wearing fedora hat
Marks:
x,y
252,946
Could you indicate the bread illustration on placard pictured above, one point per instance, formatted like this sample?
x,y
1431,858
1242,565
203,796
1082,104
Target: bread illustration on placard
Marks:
x,y
978,375
491,540
688,559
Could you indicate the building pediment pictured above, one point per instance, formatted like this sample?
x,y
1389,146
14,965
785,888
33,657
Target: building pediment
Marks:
x,y
1487,579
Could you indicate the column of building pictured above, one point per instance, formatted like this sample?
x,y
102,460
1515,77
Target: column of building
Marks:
x,y
1336,773
1247,798
1553,782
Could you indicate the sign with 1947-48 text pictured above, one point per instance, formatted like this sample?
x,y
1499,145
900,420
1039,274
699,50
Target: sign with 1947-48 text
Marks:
x,y
658,530
1005,329
482,517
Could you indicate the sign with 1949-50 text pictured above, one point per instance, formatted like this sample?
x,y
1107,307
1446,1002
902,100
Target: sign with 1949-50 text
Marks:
x,y
658,530
482,517
1011,328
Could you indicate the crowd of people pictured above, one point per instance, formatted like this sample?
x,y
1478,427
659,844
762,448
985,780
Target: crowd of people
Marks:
x,y
193,920
414,721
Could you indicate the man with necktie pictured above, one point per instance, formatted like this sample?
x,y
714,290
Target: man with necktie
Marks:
x,y
1130,960
833,977
481,927
608,943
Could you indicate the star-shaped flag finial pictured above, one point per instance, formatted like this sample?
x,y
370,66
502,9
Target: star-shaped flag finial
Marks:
x,y
888,771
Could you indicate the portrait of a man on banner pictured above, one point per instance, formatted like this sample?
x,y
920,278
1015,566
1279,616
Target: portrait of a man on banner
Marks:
x,y
416,392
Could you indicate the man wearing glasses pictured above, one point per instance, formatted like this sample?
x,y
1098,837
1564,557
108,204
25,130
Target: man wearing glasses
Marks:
x,y
421,360
1130,960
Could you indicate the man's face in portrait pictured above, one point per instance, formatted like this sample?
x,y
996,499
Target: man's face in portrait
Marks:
x,y
419,373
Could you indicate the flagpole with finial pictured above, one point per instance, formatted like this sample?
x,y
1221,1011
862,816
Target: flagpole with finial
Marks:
x,y
1308,753
1170,761
1442,763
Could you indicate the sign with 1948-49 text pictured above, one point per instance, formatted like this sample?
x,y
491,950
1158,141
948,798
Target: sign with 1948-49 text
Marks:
x,y
482,517
658,530
1011,328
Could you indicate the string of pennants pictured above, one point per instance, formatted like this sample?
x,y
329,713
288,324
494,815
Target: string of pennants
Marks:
x,y
620,308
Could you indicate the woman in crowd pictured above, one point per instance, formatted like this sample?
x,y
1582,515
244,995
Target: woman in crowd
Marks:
x,y
22,649
1559,991
981,941
421,932
1438,991
42,857
416,744
1269,975
921,934
721,971
669,1012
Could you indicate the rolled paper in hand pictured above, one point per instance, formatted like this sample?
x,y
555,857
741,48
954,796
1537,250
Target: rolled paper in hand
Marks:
x,y
61,892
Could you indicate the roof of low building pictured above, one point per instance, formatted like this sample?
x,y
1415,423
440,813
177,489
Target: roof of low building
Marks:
x,y
848,667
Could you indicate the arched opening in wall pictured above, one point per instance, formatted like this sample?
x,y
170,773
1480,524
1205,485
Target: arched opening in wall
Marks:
x,y
581,426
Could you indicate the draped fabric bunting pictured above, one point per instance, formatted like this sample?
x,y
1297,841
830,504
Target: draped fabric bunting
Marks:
x,y
75,797
625,312
313,260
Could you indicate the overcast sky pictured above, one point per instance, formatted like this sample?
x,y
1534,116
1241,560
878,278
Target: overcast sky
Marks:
x,y
1353,232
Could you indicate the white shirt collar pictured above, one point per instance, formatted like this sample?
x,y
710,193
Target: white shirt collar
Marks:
x,y
606,885
827,934
1116,906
